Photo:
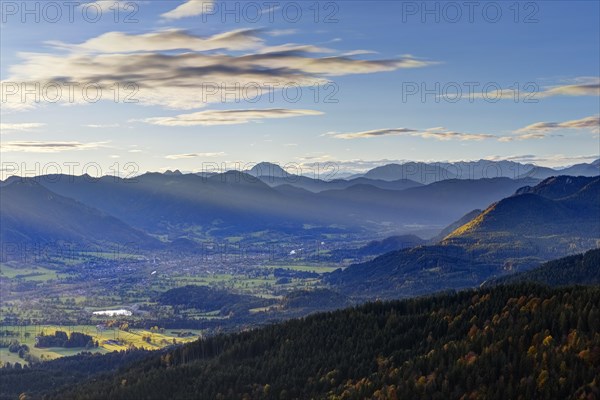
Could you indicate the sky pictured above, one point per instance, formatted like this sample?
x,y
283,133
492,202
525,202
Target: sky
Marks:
x,y
123,87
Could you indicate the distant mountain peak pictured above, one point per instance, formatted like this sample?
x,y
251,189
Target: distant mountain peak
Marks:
x,y
268,169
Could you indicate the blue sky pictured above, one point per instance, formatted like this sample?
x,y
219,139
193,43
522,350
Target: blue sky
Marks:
x,y
374,59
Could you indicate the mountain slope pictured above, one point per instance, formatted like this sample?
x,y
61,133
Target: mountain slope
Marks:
x,y
516,233
456,224
33,215
580,269
418,172
391,243
559,216
492,343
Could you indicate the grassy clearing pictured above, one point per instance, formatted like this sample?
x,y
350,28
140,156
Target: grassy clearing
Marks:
x,y
108,339
319,269
29,272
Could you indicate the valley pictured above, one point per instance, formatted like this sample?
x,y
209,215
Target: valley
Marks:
x,y
299,200
260,277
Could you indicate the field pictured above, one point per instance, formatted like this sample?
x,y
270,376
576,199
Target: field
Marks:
x,y
108,339
29,273
319,269
54,292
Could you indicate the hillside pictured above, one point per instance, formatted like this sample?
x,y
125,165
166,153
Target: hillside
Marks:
x,y
516,233
505,342
206,299
34,216
559,216
455,225
412,272
580,269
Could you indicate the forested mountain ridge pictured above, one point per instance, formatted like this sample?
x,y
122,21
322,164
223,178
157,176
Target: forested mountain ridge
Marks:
x,y
560,215
555,218
567,200
522,341
579,269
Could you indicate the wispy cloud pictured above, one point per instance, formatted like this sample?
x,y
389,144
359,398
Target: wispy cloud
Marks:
x,y
549,160
19,127
194,155
190,8
48,147
438,133
169,39
521,137
589,87
582,86
591,123
228,117
101,126
542,130
282,32
539,130
108,6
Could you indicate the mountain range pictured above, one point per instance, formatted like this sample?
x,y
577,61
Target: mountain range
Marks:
x,y
187,206
32,215
401,176
557,217
432,172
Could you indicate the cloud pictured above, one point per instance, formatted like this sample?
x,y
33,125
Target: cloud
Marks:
x,y
164,74
19,127
582,86
108,6
432,133
282,32
548,160
228,117
591,123
539,130
100,126
48,147
358,53
169,39
194,155
190,8
589,89
526,136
